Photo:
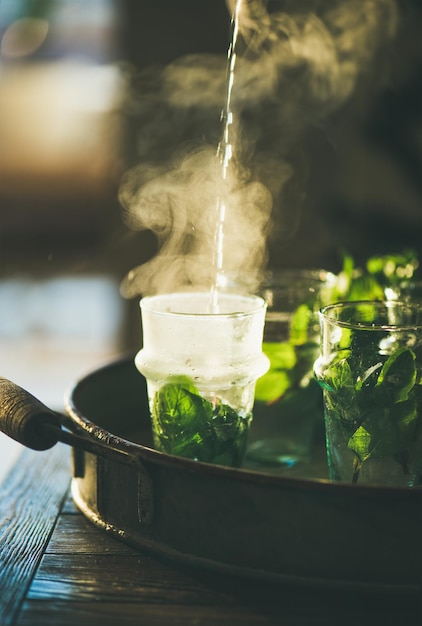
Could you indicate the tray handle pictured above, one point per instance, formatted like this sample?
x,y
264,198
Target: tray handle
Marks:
x,y
25,419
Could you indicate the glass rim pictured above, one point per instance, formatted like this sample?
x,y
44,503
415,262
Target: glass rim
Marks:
x,y
283,277
372,326
256,304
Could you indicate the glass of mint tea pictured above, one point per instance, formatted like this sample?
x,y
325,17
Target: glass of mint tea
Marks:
x,y
370,368
201,357
288,410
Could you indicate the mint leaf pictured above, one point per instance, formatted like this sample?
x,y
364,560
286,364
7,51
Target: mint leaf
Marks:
x,y
386,432
340,396
280,377
226,423
365,287
299,324
367,377
338,376
388,415
282,355
373,407
405,415
376,437
360,444
272,386
398,375
394,268
178,408
186,424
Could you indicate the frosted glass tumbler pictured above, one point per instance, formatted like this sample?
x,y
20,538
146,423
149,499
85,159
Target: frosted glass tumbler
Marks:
x,y
201,358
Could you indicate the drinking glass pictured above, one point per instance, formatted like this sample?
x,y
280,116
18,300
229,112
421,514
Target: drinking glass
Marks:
x,y
288,402
201,358
370,372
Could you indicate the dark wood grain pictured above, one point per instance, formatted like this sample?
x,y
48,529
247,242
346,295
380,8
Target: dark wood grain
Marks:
x,y
59,569
110,578
88,577
133,614
30,500
78,535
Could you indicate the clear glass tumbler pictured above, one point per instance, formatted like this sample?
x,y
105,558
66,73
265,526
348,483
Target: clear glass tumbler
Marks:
x,y
370,372
288,402
201,358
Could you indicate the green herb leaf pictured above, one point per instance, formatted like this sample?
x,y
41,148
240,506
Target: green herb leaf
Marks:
x,y
398,376
225,422
279,378
338,376
282,355
299,324
369,377
186,424
340,395
272,386
405,415
394,268
176,402
375,437
365,288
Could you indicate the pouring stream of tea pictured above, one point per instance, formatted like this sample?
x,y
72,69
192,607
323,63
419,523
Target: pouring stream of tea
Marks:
x,y
224,154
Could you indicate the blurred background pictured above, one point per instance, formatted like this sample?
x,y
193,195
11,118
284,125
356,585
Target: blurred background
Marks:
x,y
78,95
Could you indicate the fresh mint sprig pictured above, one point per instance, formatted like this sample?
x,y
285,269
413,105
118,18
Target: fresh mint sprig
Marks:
x,y
188,425
292,359
376,409
370,281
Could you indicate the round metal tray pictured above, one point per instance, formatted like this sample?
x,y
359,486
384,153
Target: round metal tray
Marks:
x,y
248,521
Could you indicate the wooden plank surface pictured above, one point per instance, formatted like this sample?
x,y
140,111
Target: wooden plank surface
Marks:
x,y
87,577
30,499
58,568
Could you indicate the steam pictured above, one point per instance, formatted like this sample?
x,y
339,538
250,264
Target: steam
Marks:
x,y
292,70
178,204
319,57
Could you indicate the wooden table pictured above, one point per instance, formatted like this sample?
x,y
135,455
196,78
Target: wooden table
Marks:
x,y
59,569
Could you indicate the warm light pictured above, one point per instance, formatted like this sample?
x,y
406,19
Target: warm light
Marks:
x,y
60,121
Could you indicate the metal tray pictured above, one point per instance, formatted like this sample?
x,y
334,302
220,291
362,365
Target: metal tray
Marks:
x,y
292,526
248,521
